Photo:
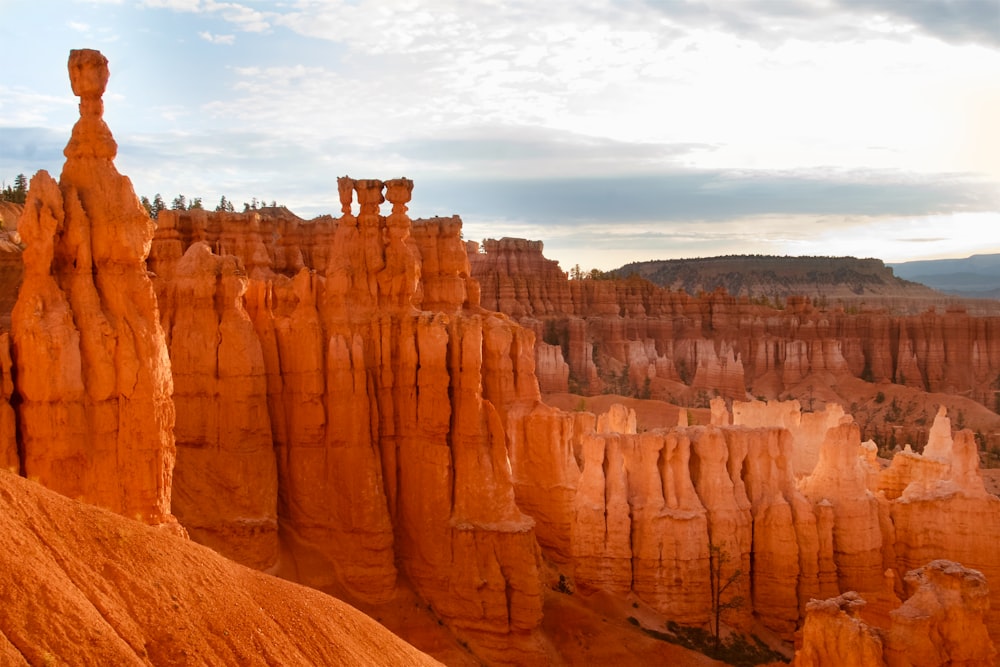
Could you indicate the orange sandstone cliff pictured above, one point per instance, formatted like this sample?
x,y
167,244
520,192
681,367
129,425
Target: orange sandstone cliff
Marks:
x,y
374,389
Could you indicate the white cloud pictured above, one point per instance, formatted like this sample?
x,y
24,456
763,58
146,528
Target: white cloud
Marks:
x,y
453,92
175,5
779,85
78,26
244,18
218,39
26,108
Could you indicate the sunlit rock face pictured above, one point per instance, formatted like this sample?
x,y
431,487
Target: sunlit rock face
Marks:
x,y
225,481
940,509
383,388
93,373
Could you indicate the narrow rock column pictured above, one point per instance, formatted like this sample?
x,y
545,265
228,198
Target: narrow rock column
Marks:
x,y
96,416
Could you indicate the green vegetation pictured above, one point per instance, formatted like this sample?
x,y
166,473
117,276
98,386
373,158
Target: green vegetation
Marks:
x,y
183,203
736,650
576,273
17,193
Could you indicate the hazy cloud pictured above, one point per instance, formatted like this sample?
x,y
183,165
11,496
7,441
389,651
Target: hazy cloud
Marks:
x,y
712,196
27,149
956,21
524,150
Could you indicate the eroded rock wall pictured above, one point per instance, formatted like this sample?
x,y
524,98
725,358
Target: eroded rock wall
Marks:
x,y
384,388
225,488
719,344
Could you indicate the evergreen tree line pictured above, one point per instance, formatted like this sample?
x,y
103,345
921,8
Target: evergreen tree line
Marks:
x,y
16,193
182,203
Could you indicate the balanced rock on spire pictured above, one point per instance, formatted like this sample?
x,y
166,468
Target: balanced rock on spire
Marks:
x,y
93,373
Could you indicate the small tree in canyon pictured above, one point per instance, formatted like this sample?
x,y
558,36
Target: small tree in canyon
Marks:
x,y
720,584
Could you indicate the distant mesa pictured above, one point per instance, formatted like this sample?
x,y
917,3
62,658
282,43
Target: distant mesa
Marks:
x,y
769,276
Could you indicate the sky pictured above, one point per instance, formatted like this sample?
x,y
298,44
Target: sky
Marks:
x,y
611,130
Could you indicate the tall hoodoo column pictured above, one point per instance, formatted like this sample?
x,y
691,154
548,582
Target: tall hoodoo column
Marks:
x,y
92,367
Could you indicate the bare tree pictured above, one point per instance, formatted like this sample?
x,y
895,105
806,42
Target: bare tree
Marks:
x,y
717,561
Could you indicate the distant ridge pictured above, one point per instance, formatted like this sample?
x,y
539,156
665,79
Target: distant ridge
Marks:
x,y
757,276
975,277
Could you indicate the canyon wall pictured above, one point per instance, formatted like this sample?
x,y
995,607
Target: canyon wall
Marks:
x,y
628,336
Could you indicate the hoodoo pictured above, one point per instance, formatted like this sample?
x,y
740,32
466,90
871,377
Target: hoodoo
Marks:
x,y
93,373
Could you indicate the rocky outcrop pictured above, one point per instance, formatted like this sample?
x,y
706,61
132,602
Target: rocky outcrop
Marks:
x,y
650,513
92,370
940,509
841,479
647,513
833,634
940,623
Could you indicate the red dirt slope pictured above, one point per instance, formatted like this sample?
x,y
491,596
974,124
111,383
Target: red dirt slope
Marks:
x,y
84,586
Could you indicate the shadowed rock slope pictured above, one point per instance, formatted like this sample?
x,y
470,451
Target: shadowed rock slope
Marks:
x,y
84,586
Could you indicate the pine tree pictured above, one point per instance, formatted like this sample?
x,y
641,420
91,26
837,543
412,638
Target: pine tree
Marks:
x,y
20,189
196,204
144,200
179,203
224,204
16,194
158,205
